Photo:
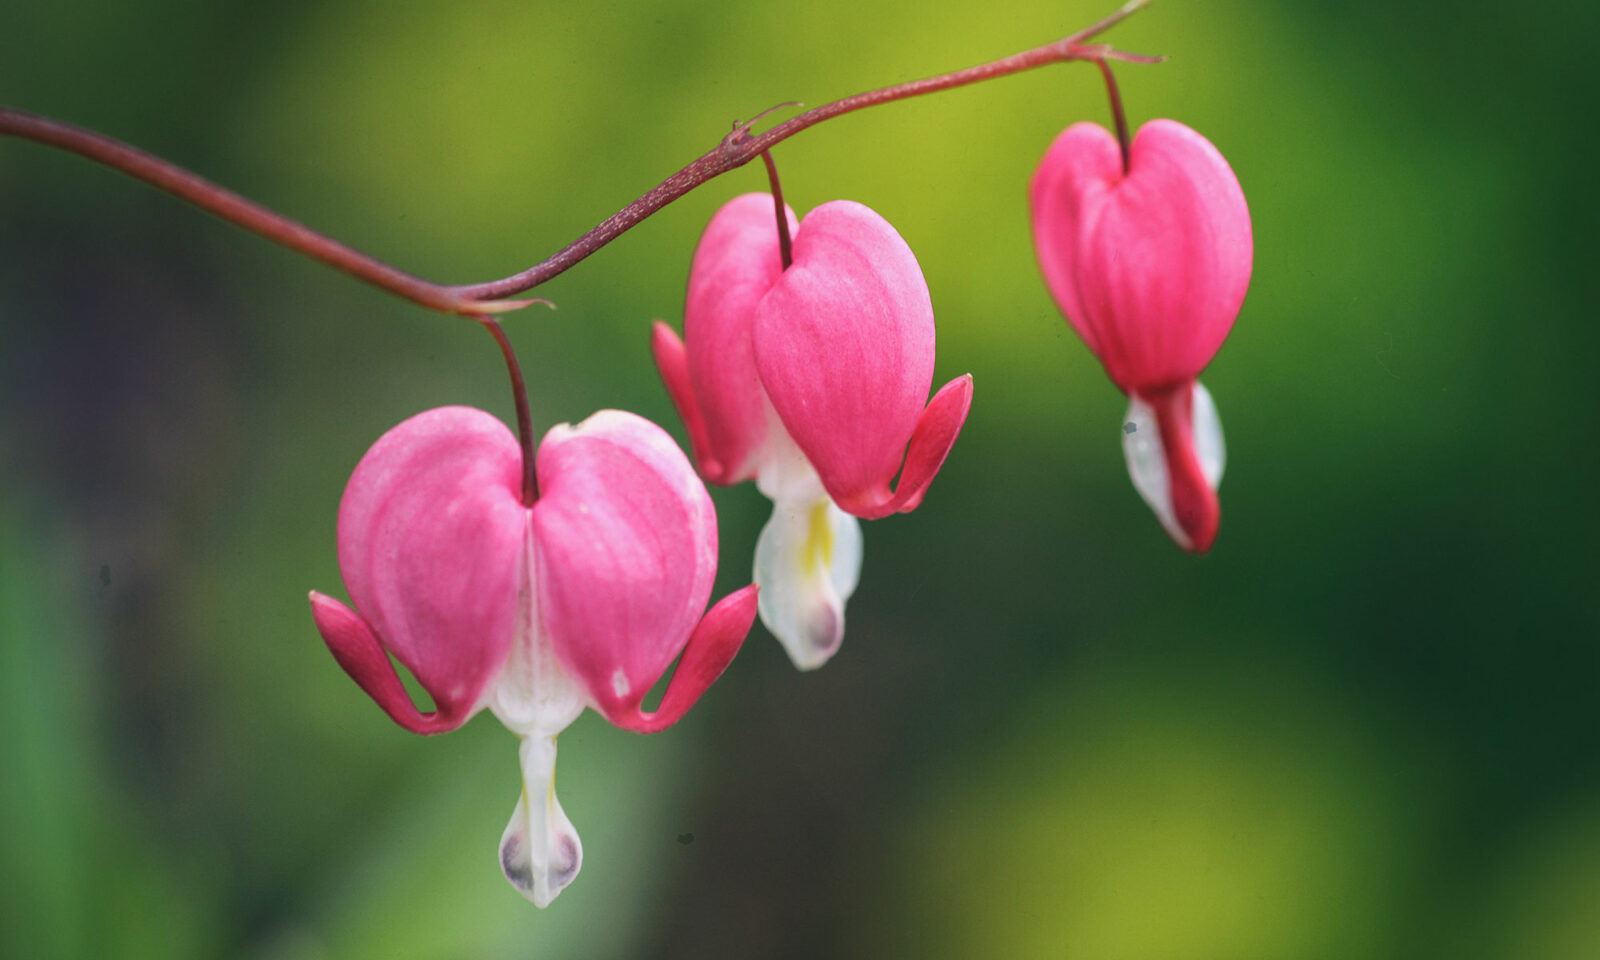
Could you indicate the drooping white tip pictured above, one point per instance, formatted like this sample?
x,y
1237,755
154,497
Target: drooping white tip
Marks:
x,y
1147,459
808,560
540,852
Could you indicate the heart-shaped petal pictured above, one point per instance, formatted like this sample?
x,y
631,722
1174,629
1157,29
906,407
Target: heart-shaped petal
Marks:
x,y
430,545
1150,266
844,344
625,541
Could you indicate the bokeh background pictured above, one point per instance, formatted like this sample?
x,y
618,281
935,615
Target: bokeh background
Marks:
x,y
1365,726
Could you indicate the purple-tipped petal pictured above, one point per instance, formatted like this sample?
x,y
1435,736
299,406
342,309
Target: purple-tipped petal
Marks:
x,y
625,538
430,544
1150,267
935,435
807,564
358,651
540,851
844,344
710,649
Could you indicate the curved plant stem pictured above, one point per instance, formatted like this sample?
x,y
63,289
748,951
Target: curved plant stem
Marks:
x,y
1117,115
739,147
735,150
785,244
519,391
242,212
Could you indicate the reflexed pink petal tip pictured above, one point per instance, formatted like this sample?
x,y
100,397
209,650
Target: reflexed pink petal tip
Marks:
x,y
1150,267
931,442
712,646
358,651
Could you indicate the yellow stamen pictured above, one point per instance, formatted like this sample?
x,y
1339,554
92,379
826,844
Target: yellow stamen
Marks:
x,y
819,543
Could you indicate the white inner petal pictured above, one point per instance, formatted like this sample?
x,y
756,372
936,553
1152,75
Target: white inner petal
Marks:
x,y
533,696
540,852
808,561
1208,445
783,474
1147,462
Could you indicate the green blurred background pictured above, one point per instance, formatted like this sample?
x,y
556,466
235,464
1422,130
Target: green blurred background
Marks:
x,y
1364,726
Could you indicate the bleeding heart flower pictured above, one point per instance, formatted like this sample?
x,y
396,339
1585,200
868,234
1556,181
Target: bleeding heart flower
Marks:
x,y
1150,265
582,599
812,380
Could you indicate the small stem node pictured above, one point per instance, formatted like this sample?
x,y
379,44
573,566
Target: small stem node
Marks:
x,y
741,129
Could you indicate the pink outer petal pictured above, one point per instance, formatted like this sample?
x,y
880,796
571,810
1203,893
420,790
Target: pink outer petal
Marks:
x,y
711,648
1071,182
673,363
1194,501
844,344
625,539
1151,268
936,433
362,656
735,264
430,545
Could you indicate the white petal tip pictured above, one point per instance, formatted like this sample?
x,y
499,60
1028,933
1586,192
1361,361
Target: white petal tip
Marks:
x,y
808,560
540,883
817,640
540,852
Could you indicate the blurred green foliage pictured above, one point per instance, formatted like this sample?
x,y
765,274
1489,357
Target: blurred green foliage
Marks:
x,y
1365,726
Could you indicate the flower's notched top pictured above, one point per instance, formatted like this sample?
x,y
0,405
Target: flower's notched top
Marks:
x,y
1150,267
583,599
813,381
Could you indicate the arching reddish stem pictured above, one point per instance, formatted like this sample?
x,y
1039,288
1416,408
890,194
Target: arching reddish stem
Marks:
x,y
735,150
